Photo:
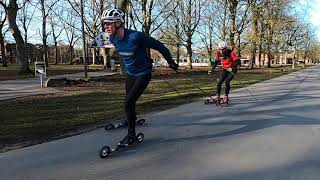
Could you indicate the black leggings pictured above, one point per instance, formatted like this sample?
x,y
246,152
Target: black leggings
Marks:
x,y
134,88
227,77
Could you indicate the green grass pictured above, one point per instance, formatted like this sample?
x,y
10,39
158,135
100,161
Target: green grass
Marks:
x,y
44,116
11,72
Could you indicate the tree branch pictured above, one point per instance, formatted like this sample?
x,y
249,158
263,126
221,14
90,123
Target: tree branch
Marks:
x,y
3,5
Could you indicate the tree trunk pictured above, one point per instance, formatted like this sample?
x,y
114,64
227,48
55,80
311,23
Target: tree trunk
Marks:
x,y
55,52
44,33
3,51
146,26
189,35
178,53
122,4
269,42
71,55
224,27
239,47
260,43
233,12
189,52
22,54
254,35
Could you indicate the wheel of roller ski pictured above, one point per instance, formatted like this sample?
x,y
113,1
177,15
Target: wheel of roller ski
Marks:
x,y
207,101
140,137
141,121
104,151
109,126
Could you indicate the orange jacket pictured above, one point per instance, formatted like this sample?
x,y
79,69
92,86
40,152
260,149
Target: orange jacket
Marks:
x,y
228,59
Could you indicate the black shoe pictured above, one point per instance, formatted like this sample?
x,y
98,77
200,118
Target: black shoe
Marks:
x,y
127,140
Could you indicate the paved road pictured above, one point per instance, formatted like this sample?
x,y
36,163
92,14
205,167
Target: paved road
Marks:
x,y
275,137
26,87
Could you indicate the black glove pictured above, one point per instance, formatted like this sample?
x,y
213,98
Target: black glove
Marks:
x,y
174,66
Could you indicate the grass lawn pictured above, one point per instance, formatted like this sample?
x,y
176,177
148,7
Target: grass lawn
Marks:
x,y
11,72
92,104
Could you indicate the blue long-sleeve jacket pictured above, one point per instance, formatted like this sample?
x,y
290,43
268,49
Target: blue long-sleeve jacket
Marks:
x,y
133,51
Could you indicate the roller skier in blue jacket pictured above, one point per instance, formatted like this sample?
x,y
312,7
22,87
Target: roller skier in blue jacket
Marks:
x,y
132,47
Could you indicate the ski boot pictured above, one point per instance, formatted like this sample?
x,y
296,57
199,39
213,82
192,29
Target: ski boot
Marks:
x,y
225,100
128,140
213,99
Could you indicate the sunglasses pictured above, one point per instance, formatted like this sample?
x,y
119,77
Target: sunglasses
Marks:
x,y
107,23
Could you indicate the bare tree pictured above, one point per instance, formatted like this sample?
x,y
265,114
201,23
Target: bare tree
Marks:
x,y
3,19
25,17
190,14
45,9
93,12
122,4
22,54
26,14
233,5
149,14
171,36
207,28
254,36
275,11
220,12
71,32
56,32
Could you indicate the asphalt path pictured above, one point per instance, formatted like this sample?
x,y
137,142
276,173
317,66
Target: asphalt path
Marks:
x,y
273,135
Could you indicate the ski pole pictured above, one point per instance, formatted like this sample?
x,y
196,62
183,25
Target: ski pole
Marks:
x,y
206,94
171,86
244,86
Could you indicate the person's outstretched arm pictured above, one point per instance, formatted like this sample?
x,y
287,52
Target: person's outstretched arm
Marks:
x,y
152,43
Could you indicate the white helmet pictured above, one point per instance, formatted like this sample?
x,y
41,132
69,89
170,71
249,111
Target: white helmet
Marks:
x,y
222,45
112,15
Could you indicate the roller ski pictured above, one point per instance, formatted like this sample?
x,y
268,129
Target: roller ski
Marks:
x,y
218,100
122,124
126,143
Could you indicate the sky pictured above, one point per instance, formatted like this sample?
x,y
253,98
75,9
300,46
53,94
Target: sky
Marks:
x,y
313,9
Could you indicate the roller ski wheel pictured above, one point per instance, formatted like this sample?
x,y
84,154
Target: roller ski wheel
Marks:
x,y
140,121
105,151
140,137
109,126
207,101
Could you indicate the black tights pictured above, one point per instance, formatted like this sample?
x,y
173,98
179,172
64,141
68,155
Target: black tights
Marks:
x,y
227,77
134,88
